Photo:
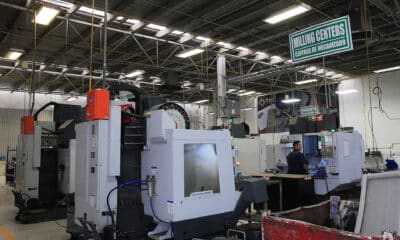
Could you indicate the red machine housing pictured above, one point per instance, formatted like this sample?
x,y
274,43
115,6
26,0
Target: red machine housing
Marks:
x,y
98,104
27,125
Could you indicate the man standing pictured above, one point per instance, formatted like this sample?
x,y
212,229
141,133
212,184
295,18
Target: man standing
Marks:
x,y
297,163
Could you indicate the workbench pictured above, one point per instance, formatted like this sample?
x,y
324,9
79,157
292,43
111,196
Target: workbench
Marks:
x,y
290,180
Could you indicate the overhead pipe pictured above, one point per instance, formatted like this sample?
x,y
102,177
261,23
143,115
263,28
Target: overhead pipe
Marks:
x,y
72,75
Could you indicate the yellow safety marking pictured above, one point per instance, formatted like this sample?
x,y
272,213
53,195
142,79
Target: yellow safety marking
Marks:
x,y
6,234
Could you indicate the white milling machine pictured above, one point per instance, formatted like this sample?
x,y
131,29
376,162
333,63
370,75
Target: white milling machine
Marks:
x,y
189,175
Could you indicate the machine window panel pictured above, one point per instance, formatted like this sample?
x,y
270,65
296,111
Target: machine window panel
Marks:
x,y
201,169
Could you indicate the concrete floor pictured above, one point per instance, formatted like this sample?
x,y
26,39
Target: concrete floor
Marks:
x,y
17,231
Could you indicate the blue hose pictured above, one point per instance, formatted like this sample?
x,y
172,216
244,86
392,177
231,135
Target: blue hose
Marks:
x,y
136,182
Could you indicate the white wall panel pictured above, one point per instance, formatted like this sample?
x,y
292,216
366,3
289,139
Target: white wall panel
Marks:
x,y
355,108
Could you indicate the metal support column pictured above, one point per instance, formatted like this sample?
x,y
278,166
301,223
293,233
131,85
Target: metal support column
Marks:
x,y
103,83
220,92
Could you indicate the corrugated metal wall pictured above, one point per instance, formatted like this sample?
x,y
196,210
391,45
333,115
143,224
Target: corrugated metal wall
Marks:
x,y
10,125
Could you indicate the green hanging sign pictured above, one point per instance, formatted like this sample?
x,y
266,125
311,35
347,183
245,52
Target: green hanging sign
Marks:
x,y
324,39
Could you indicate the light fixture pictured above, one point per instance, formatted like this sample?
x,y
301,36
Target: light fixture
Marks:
x,y
339,75
261,55
330,74
90,11
305,81
288,100
187,84
135,24
163,32
59,3
231,90
42,66
119,18
156,27
204,39
320,71
347,91
201,101
71,98
14,54
185,37
276,59
247,109
288,13
155,79
135,73
46,15
387,69
85,71
132,21
243,49
190,52
225,45
311,69
246,93
177,32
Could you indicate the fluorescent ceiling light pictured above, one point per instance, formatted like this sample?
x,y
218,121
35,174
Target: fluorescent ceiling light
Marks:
x,y
338,75
46,15
246,93
329,74
186,83
243,49
119,18
305,81
320,71
247,109
71,98
156,80
155,26
134,73
288,13
387,69
348,91
190,52
204,39
90,11
133,21
276,59
311,69
231,90
185,37
177,32
290,100
59,3
14,54
225,45
201,101
261,55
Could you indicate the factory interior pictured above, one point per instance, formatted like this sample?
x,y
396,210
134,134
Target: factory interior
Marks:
x,y
199,119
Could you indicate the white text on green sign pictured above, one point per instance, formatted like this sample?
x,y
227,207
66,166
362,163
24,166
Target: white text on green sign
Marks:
x,y
324,39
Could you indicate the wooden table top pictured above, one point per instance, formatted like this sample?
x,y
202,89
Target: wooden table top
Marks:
x,y
282,175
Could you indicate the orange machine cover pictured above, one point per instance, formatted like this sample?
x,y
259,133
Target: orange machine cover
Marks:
x,y
27,125
98,104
